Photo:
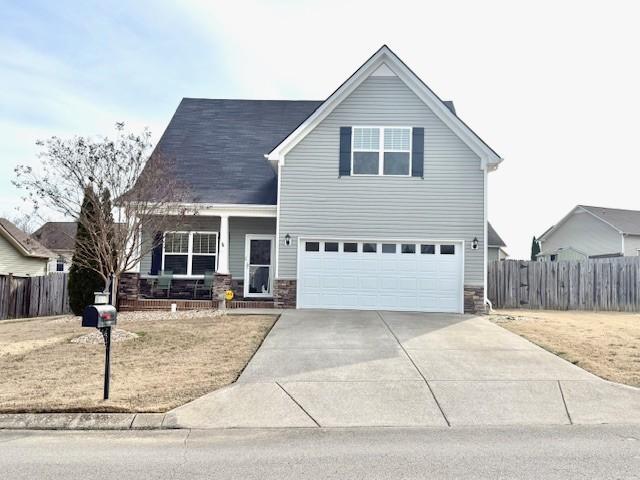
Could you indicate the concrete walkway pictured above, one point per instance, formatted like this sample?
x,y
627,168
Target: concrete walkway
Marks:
x,y
325,368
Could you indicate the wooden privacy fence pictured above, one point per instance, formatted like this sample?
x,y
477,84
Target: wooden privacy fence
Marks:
x,y
595,284
33,296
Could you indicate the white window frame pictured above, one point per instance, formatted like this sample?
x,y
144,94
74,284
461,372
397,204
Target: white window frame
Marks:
x,y
60,260
190,253
381,151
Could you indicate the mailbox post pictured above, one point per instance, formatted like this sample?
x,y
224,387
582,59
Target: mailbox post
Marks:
x,y
102,317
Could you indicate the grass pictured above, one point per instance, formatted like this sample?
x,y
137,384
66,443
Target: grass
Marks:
x,y
604,343
173,361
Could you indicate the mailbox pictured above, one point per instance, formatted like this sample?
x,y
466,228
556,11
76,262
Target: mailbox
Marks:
x,y
99,316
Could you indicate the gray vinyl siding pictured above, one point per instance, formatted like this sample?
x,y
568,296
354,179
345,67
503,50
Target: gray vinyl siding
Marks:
x,y
585,233
631,245
13,262
239,227
447,204
198,223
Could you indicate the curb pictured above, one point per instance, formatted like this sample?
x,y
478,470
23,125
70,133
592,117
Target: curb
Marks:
x,y
83,421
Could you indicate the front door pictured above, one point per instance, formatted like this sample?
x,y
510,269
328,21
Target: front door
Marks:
x,y
258,270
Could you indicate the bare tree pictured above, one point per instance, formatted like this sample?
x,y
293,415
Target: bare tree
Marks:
x,y
24,221
146,194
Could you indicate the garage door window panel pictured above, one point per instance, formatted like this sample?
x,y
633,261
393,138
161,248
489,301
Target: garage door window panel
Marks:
x,y
331,246
388,248
427,249
408,248
312,246
369,247
349,247
447,249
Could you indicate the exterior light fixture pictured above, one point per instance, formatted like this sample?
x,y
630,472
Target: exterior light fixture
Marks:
x,y
287,239
474,243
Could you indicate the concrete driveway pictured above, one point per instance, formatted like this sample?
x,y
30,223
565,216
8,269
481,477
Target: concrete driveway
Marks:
x,y
328,368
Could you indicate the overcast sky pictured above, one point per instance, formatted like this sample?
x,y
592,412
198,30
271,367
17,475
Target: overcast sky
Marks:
x,y
554,87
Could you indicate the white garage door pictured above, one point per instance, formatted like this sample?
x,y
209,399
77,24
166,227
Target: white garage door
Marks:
x,y
412,276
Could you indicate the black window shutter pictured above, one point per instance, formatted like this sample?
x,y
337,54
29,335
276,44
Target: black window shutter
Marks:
x,y
417,155
345,152
156,254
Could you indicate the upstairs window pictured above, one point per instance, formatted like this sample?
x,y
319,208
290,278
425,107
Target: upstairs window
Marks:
x,y
381,151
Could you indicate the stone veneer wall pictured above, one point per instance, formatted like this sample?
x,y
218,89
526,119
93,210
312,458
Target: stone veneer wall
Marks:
x,y
474,300
129,286
284,293
238,289
221,283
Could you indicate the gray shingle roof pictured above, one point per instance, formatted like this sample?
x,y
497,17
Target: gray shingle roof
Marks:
x,y
31,246
493,238
627,221
57,235
218,146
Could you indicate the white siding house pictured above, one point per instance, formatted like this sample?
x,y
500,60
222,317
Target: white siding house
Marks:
x,y
588,232
20,255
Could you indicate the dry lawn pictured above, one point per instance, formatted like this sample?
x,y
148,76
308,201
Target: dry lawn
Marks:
x,y
604,343
173,361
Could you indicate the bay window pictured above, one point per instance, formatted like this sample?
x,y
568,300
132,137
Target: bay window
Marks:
x,y
189,253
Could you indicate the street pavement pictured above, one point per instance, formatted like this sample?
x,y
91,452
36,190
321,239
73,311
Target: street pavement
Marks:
x,y
543,452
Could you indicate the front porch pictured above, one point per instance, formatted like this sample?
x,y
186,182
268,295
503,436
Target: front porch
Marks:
x,y
209,255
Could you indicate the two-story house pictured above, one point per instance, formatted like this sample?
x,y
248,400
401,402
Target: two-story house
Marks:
x,y
375,198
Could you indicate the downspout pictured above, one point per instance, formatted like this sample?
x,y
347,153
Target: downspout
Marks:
x,y
485,239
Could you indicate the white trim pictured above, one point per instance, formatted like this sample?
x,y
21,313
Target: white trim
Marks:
x,y
25,253
485,277
384,55
321,238
277,268
190,253
222,261
220,209
247,251
381,150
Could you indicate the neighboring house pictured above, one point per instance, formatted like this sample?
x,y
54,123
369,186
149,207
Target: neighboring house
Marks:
x,y
21,255
59,237
374,198
496,246
592,232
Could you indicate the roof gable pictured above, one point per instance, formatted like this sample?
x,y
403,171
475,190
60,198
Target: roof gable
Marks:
x,y
384,62
625,222
26,245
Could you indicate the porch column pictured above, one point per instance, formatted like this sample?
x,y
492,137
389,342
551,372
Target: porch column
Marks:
x,y
223,254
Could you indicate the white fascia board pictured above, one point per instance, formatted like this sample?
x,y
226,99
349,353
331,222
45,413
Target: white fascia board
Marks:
x,y
18,246
226,209
489,158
